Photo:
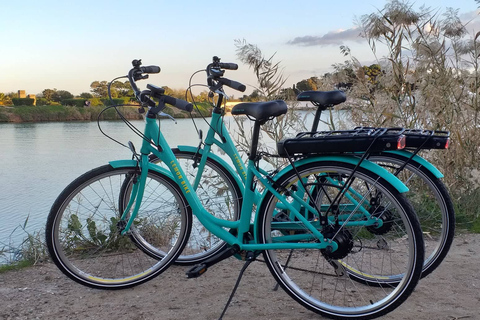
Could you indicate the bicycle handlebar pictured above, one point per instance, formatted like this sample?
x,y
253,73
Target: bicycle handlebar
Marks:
x,y
150,69
228,66
178,103
215,77
136,73
233,84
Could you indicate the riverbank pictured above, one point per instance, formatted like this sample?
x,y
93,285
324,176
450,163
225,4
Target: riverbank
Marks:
x,y
43,292
20,114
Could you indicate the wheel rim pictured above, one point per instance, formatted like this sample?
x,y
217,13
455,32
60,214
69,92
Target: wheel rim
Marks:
x,y
314,282
86,236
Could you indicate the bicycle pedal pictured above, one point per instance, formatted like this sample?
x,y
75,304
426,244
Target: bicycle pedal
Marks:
x,y
196,271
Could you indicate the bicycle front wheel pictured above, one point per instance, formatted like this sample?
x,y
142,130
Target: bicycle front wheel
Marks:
x,y
374,269
83,231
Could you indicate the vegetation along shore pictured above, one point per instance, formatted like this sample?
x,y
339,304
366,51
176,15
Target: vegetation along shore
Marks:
x,y
16,114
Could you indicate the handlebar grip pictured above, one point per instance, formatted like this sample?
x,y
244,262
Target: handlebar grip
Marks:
x,y
178,103
228,66
233,84
150,69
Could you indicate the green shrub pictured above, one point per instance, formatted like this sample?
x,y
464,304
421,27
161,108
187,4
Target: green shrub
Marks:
x,y
95,102
42,102
46,113
116,101
203,109
74,102
23,101
3,115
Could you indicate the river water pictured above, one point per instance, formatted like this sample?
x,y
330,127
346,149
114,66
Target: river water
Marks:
x,y
38,160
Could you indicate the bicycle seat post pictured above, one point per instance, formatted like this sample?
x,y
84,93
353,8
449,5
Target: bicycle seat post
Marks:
x,y
316,120
254,144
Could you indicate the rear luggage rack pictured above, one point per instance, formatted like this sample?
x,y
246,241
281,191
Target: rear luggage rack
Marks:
x,y
427,139
423,139
343,141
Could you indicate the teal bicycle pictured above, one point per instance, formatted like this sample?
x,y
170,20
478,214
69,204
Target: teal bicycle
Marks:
x,y
340,260
220,184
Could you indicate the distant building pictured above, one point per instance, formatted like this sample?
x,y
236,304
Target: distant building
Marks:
x,y
34,97
23,95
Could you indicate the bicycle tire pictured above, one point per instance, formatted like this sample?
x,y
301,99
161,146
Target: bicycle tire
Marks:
x,y
329,283
83,229
220,195
438,219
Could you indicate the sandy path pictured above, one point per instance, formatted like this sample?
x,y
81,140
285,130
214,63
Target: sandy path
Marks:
x,y
42,292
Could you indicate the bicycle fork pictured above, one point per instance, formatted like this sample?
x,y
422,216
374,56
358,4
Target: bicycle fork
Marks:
x,y
138,188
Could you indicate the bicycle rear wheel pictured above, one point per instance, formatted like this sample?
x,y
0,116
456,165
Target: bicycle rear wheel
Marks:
x,y
219,194
374,269
431,202
83,231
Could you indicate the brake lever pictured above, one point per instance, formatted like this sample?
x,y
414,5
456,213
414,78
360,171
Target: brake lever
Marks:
x,y
139,76
163,114
220,92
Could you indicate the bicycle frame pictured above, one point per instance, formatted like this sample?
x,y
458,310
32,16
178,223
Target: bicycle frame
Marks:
x,y
239,170
239,173
242,226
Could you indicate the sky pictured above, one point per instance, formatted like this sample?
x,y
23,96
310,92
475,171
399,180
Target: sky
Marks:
x,y
67,44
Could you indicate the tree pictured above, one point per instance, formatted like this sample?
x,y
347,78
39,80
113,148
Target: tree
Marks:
x,y
256,95
54,95
117,89
202,96
48,94
5,99
122,89
61,95
176,93
86,95
99,89
308,84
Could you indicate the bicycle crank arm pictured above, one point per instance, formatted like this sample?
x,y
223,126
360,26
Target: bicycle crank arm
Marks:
x,y
199,269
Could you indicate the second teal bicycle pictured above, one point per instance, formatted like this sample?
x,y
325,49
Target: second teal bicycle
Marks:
x,y
220,184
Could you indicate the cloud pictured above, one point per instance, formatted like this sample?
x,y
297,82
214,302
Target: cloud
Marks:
x,y
338,37
472,21
467,16
331,38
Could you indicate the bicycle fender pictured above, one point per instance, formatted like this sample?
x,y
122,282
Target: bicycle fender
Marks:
x,y
368,165
427,165
133,163
215,157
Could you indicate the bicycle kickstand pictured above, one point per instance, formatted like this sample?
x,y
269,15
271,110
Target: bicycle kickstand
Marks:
x,y
248,259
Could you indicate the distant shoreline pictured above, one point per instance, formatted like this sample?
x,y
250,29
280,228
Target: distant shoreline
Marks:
x,y
58,113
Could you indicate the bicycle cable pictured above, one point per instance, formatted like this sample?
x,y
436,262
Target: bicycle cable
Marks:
x,y
122,117
189,90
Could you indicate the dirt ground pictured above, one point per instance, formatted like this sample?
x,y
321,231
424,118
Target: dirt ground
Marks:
x,y
43,292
